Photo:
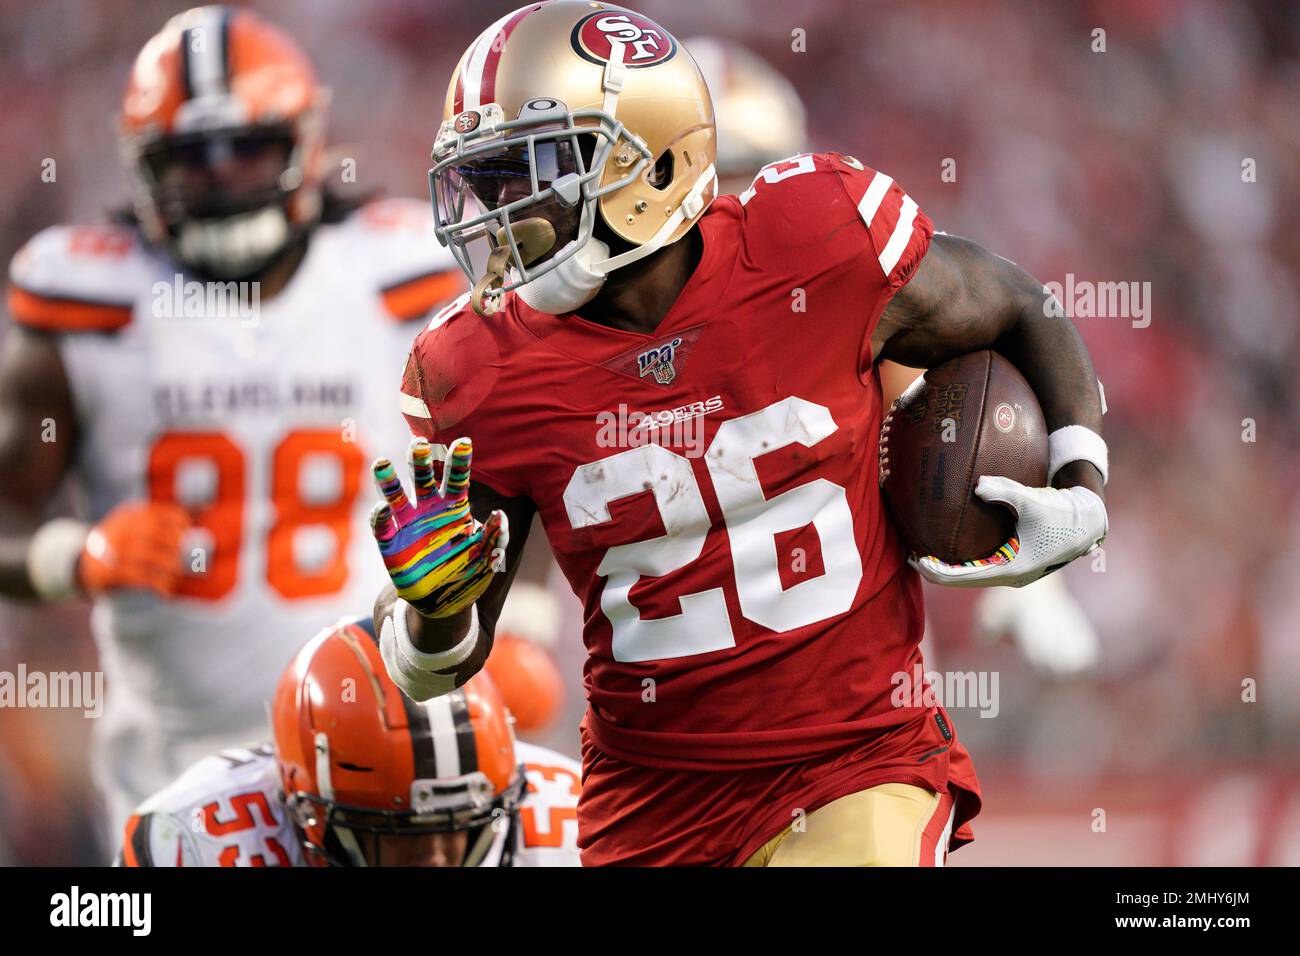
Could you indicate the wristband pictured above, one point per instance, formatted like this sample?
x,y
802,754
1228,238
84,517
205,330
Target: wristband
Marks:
x,y
52,558
1076,443
419,674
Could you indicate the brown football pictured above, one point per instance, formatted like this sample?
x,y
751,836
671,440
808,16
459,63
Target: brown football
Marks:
x,y
973,416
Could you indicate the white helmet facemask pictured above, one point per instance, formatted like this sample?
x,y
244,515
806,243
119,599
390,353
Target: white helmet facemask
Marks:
x,y
237,245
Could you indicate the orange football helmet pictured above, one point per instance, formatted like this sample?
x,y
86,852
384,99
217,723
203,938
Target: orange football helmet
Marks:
x,y
358,757
219,96
521,662
528,679
557,113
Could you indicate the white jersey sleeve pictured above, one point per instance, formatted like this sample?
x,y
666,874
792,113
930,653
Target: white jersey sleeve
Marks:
x,y
226,810
79,278
393,243
548,817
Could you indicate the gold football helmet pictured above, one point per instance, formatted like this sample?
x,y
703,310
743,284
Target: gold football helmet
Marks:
x,y
558,112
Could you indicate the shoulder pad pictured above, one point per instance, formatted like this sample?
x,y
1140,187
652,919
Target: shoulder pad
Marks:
x,y
797,206
454,363
223,811
531,755
898,230
395,240
79,278
839,207
158,839
790,184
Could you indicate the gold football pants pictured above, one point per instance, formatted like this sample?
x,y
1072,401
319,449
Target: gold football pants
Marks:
x,y
893,824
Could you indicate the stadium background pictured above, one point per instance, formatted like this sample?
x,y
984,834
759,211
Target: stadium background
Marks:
x,y
1117,166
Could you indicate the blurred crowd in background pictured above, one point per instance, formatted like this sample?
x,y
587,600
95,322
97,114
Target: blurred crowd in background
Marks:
x,y
1168,157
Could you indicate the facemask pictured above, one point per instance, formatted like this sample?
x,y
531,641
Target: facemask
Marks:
x,y
234,246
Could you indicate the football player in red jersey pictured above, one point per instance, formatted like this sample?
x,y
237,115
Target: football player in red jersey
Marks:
x,y
685,388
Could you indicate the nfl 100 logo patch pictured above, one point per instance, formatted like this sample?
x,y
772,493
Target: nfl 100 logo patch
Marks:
x,y
658,362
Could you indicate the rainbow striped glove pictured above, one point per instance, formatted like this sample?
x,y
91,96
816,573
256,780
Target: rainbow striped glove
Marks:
x,y
439,558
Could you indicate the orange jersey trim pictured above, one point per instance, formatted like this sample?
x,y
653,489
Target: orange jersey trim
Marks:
x,y
65,315
129,857
415,297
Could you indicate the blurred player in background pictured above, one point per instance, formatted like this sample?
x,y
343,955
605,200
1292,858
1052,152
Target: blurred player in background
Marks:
x,y
361,775
758,112
761,119
197,369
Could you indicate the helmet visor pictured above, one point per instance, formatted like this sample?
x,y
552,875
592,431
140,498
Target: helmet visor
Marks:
x,y
512,172
479,197
212,175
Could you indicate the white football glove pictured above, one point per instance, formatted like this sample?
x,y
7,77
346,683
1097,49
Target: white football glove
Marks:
x,y
1054,526
1047,624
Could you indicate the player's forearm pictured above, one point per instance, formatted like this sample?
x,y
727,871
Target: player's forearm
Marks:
x,y
414,646
429,635
38,559
1049,352
962,299
15,580
38,432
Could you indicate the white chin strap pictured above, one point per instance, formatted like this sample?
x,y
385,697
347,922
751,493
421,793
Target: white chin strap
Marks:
x,y
235,245
490,846
691,206
576,280
571,284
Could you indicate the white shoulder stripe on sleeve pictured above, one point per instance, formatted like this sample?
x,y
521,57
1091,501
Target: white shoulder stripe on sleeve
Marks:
x,y
414,406
900,237
872,198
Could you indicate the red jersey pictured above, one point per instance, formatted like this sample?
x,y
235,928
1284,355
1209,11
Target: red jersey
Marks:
x,y
710,490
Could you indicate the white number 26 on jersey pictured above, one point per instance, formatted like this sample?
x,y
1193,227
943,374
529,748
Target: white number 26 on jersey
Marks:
x,y
752,523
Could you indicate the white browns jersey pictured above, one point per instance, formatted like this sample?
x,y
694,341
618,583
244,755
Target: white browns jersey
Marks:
x,y
547,834
261,418
226,810
229,810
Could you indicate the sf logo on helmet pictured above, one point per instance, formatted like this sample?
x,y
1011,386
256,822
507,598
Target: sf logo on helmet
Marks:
x,y
647,43
467,121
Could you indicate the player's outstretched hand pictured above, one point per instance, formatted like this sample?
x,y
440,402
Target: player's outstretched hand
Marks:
x,y
439,558
136,546
1053,527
